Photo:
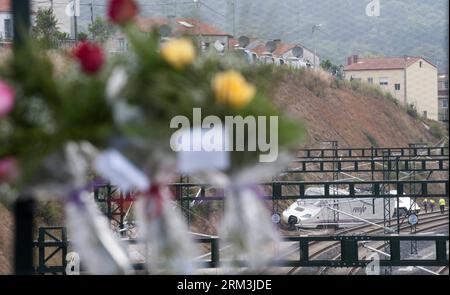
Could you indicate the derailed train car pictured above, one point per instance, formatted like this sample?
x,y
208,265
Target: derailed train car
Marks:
x,y
317,213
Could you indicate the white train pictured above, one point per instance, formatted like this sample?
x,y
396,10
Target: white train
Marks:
x,y
316,213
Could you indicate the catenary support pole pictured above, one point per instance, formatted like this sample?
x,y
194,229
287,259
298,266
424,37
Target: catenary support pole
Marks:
x,y
24,206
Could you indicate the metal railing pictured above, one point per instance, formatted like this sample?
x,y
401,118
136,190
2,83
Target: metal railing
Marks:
x,y
368,165
349,249
372,152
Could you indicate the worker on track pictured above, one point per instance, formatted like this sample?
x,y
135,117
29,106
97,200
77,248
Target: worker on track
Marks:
x,y
442,205
432,203
425,205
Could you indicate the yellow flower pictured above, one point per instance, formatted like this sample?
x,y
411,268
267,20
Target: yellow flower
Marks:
x,y
231,88
178,52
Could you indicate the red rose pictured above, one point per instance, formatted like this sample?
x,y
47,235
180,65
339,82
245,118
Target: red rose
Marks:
x,y
122,11
90,56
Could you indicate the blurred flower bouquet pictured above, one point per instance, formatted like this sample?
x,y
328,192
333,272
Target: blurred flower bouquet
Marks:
x,y
116,116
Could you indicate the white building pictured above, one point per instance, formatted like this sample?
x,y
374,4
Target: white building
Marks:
x,y
6,26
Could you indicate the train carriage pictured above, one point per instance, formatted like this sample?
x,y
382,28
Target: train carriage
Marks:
x,y
316,213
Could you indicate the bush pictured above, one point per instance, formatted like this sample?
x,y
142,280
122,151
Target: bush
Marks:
x,y
412,111
371,139
391,98
437,131
315,82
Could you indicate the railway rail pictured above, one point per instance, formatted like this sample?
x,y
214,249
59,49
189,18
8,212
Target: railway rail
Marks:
x,y
318,249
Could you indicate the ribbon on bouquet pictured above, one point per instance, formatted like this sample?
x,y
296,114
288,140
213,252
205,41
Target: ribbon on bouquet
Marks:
x,y
90,230
170,248
168,244
153,200
100,251
247,227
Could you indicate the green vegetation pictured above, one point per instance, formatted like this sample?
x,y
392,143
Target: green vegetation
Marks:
x,y
371,139
82,36
46,30
335,70
100,30
437,131
412,111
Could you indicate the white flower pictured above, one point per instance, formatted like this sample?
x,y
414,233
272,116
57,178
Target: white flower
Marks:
x,y
112,165
116,83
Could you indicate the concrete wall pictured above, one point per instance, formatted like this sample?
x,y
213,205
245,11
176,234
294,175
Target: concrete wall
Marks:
x,y
393,77
422,88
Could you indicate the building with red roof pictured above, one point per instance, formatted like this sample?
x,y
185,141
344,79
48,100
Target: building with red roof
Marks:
x,y
207,34
412,80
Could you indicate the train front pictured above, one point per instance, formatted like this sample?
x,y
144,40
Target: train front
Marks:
x,y
301,214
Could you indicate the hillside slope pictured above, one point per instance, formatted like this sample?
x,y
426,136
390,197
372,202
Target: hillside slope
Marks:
x,y
6,243
353,118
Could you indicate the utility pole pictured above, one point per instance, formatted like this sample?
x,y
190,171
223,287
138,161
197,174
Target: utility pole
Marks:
x,y
315,28
92,18
92,11
75,27
76,11
233,5
24,205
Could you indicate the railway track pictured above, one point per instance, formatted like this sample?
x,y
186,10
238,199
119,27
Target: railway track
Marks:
x,y
430,223
318,249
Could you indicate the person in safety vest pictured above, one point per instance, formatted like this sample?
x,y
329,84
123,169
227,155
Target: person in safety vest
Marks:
x,y
425,205
442,205
432,203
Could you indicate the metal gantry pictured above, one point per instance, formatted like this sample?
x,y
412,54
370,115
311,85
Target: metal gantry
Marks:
x,y
369,165
369,152
334,148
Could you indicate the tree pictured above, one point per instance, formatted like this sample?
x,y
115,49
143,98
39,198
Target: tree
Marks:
x,y
333,69
326,64
82,36
100,30
46,28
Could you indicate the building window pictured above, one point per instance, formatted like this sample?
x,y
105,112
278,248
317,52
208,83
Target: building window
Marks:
x,y
443,85
370,80
397,86
384,81
443,103
8,28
